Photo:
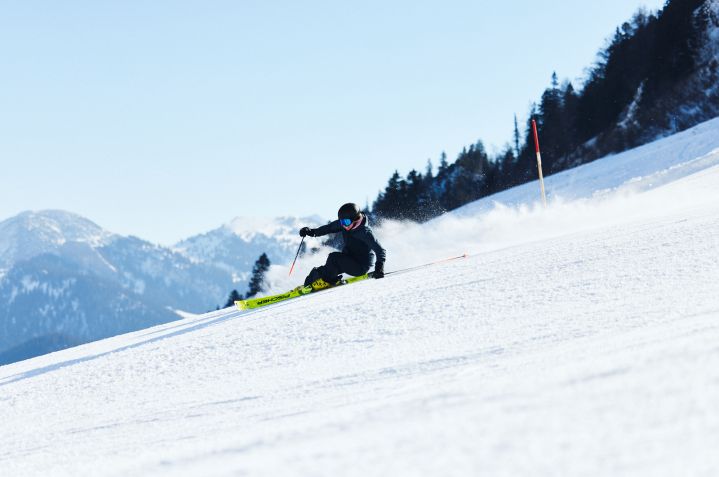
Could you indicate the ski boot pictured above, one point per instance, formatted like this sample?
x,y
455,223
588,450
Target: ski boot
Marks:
x,y
317,282
321,284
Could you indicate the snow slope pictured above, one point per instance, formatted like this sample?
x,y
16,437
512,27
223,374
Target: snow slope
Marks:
x,y
580,340
632,171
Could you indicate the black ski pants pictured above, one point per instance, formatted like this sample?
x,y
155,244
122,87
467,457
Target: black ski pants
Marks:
x,y
337,263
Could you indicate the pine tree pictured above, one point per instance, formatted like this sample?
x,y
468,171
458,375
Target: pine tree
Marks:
x,y
549,124
257,281
429,202
567,137
516,137
388,204
415,194
234,296
443,166
428,170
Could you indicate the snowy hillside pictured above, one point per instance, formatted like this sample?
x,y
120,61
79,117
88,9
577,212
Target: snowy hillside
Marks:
x,y
577,340
639,169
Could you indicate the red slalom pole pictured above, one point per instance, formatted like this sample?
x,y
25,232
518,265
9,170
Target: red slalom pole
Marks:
x,y
539,162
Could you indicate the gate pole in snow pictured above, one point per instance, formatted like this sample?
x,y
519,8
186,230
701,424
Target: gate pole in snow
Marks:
x,y
539,162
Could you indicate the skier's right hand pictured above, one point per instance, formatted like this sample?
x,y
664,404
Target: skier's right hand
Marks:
x,y
305,231
378,270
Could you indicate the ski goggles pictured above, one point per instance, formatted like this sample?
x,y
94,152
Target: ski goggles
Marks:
x,y
349,224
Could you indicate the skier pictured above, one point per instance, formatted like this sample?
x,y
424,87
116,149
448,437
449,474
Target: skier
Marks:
x,y
355,258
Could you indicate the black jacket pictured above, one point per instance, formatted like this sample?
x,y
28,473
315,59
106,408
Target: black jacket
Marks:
x,y
358,242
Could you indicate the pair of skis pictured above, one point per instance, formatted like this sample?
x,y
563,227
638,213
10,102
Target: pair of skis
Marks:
x,y
294,293
306,290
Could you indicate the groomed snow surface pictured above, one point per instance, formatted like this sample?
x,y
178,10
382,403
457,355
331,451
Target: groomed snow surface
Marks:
x,y
578,340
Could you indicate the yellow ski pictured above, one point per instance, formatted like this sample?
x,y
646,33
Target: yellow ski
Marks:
x,y
294,293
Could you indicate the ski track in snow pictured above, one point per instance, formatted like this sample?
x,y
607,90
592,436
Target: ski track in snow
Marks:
x,y
589,350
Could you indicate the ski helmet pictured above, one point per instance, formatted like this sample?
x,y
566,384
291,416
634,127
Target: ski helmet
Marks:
x,y
349,211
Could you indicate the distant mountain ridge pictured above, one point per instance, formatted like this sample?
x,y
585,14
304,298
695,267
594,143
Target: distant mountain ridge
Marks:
x,y
236,245
64,280
33,233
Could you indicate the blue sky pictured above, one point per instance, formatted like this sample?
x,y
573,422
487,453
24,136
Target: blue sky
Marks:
x,y
165,119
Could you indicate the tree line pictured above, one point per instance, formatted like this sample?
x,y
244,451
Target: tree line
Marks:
x,y
638,89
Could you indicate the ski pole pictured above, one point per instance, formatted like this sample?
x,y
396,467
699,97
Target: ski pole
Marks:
x,y
436,262
297,255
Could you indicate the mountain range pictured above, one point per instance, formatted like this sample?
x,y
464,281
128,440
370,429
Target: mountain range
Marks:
x,y
64,280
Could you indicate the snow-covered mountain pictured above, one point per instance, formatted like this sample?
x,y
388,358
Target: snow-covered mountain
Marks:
x,y
237,245
580,339
64,280
33,233
67,281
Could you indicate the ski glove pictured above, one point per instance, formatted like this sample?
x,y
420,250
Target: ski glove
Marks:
x,y
305,231
378,270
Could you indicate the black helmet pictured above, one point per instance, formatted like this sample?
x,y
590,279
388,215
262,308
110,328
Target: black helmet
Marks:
x,y
349,211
